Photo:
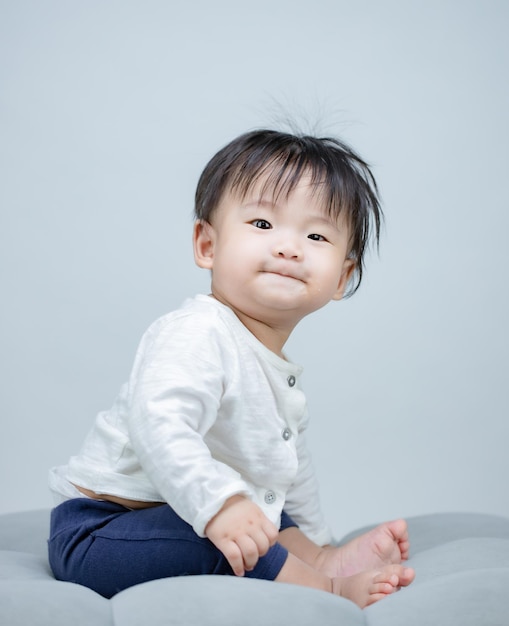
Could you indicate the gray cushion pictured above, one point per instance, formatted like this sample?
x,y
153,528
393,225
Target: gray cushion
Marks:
x,y
461,561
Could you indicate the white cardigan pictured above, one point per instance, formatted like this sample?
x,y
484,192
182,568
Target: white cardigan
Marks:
x,y
208,412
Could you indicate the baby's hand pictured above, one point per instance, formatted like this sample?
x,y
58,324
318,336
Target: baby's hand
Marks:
x,y
242,532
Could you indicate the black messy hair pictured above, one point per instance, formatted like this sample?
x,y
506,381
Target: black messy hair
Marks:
x,y
343,180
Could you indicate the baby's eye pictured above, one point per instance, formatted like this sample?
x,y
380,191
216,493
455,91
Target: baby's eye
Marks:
x,y
316,237
261,224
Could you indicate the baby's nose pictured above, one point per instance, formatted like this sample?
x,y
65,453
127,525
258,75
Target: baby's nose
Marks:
x,y
286,244
288,251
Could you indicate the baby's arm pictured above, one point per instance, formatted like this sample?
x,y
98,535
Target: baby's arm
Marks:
x,y
242,532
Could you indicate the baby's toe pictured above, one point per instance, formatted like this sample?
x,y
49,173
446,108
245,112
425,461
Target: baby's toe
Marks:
x,y
384,588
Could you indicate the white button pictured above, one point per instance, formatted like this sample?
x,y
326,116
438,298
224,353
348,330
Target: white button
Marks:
x,y
291,380
286,433
270,497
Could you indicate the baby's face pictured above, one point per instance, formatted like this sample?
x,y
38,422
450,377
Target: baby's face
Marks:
x,y
276,259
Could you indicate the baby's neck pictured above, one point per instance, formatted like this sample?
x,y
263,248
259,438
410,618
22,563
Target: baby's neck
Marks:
x,y
271,334
271,338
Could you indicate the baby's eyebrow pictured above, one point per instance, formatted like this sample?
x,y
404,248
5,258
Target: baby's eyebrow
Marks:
x,y
261,202
326,220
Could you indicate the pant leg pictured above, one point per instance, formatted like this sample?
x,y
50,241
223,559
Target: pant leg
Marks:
x,y
107,547
286,522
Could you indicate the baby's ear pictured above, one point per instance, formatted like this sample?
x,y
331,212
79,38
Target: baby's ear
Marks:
x,y
346,273
203,244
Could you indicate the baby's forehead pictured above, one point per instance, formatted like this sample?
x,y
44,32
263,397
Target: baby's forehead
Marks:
x,y
267,190
274,186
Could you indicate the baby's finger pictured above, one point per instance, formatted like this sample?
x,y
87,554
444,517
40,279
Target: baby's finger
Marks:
x,y
233,555
249,550
270,531
262,542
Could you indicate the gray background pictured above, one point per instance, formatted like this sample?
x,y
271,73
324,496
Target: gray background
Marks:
x,y
109,111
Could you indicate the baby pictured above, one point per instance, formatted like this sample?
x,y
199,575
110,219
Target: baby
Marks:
x,y
201,465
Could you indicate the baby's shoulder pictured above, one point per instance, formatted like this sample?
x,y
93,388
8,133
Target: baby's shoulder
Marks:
x,y
199,322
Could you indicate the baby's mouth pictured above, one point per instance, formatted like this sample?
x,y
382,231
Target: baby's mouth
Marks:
x,y
284,273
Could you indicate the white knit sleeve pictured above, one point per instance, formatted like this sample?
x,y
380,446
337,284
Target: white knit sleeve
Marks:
x,y
174,394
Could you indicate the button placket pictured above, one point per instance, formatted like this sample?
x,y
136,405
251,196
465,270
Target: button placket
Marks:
x,y
270,497
286,433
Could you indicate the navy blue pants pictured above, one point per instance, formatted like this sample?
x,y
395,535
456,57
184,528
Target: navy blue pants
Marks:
x,y
108,547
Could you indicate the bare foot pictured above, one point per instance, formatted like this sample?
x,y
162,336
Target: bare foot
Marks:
x,y
386,544
363,588
368,587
